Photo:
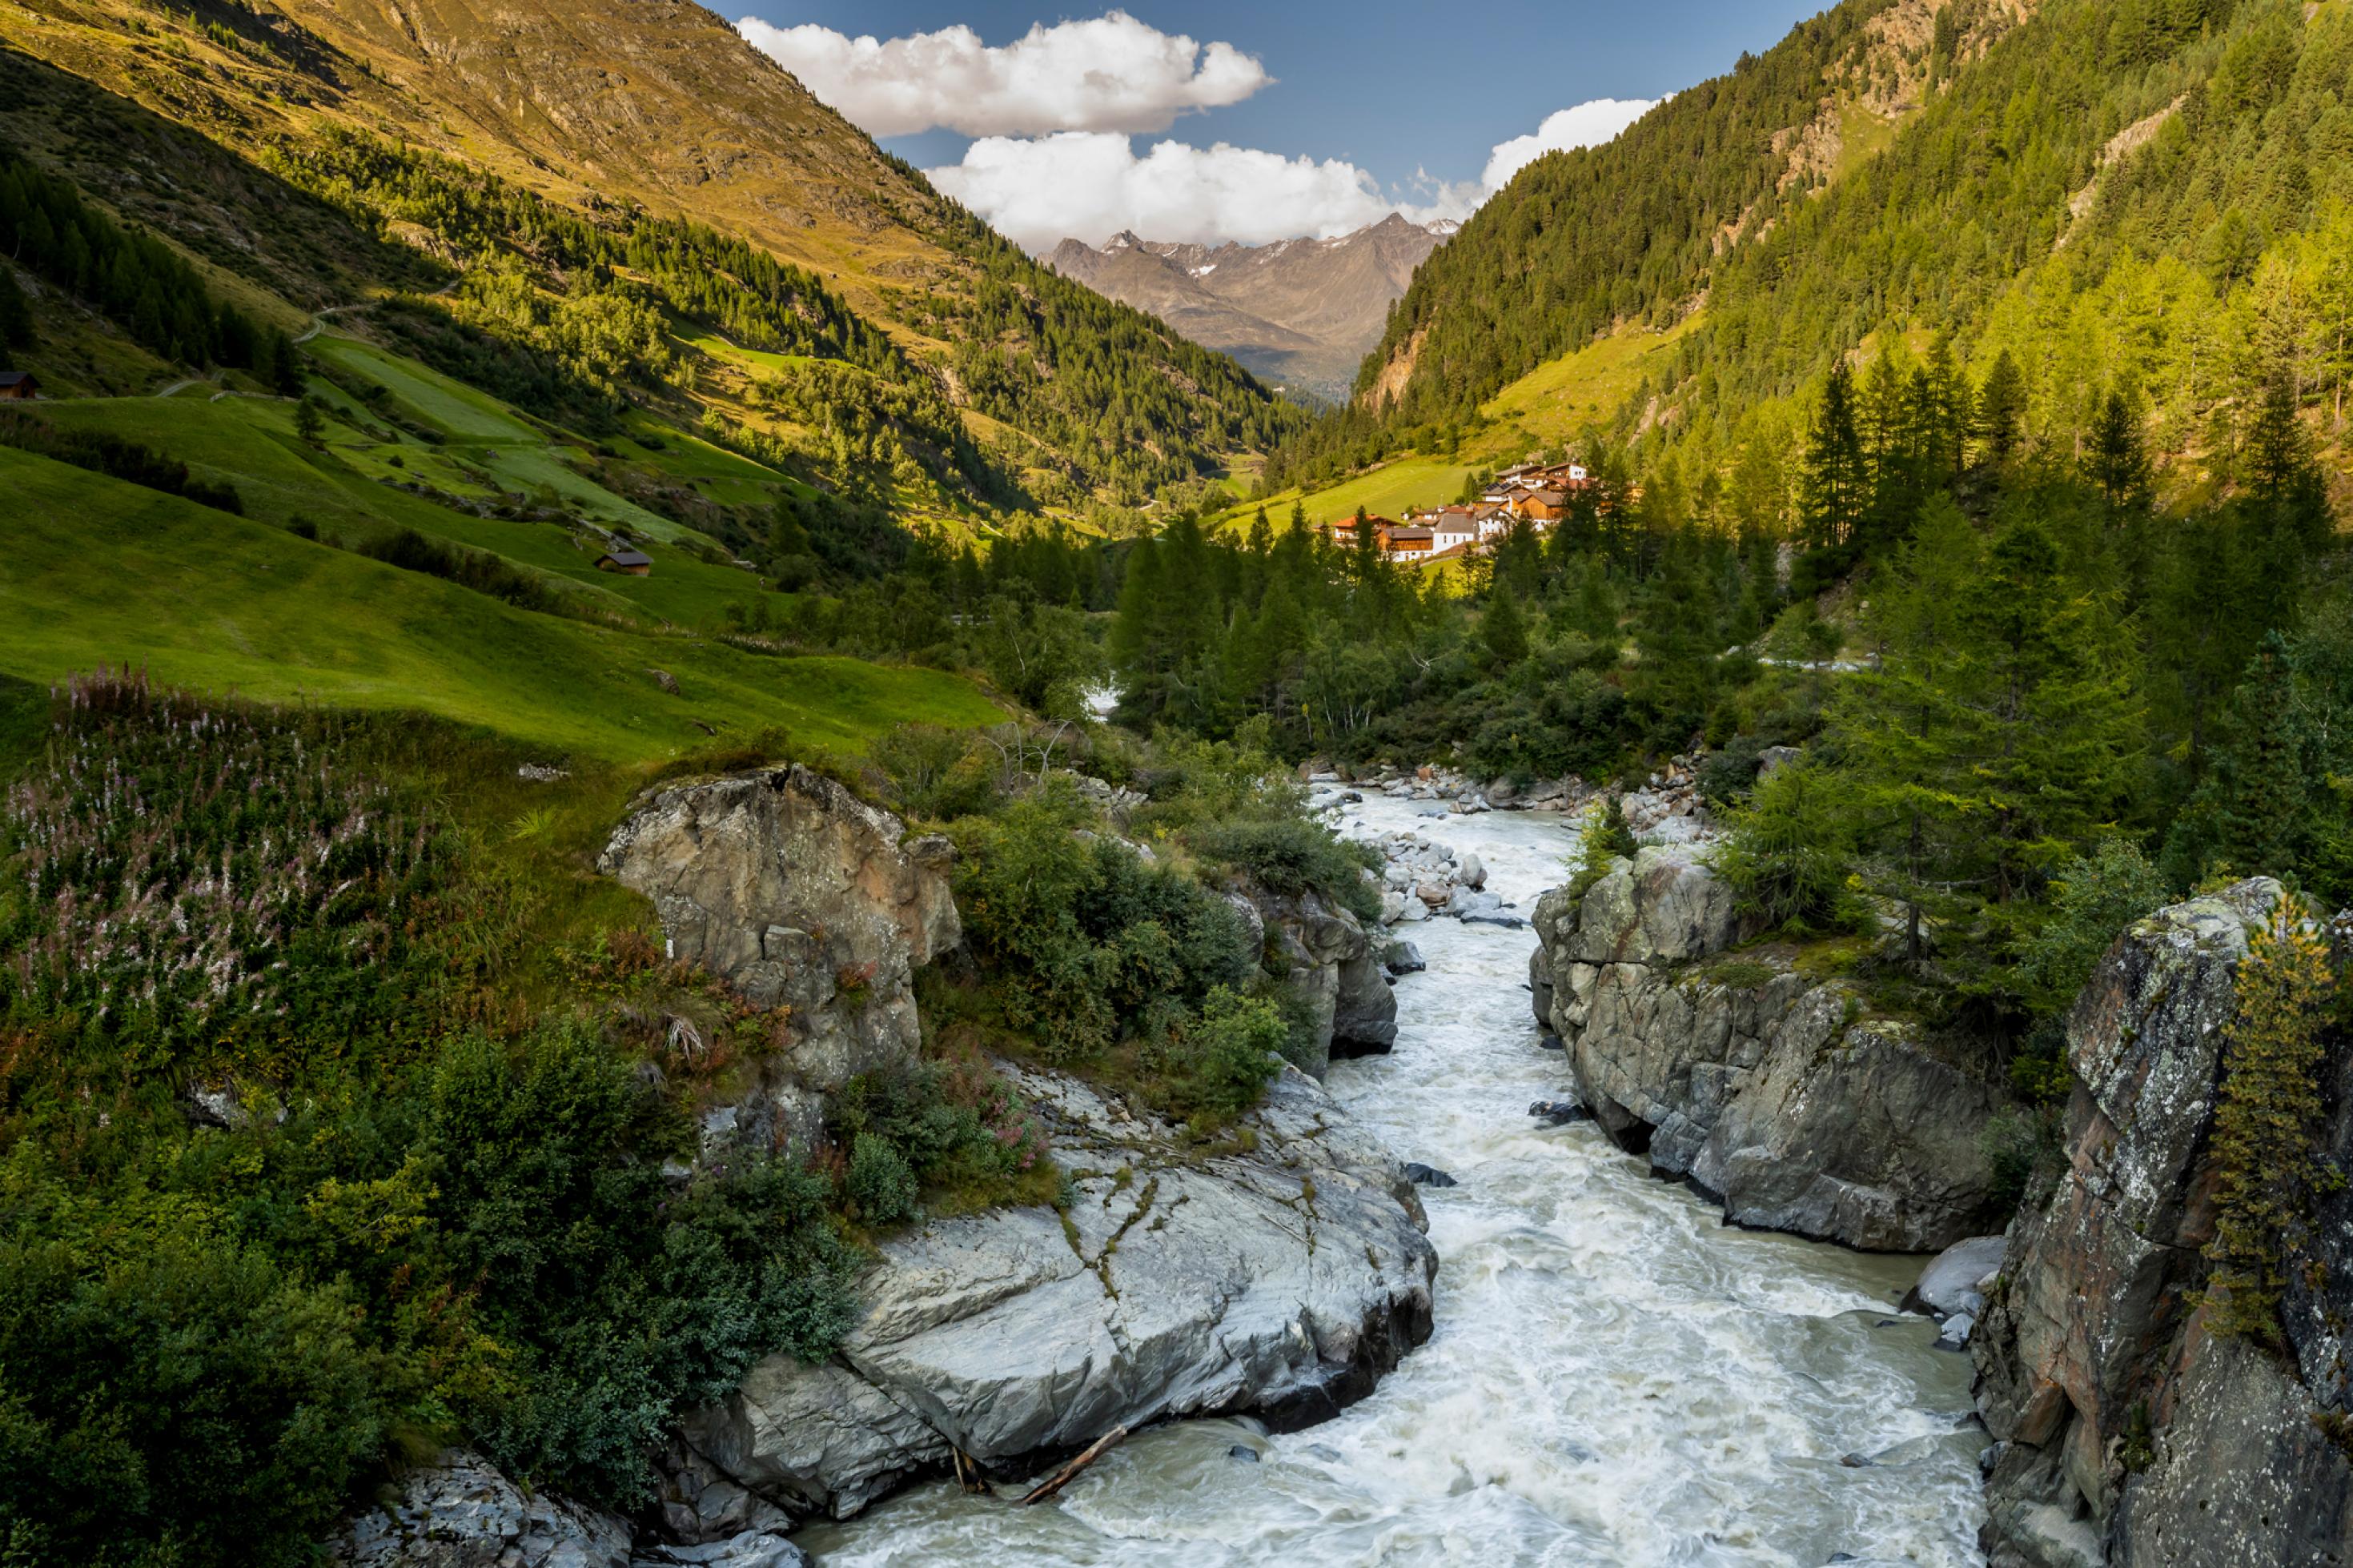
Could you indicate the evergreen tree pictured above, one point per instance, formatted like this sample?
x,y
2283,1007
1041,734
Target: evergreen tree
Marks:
x,y
16,311
2268,1175
1834,487
2115,458
1503,629
2001,409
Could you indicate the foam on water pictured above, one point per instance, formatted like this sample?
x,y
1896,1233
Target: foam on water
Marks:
x,y
1614,1378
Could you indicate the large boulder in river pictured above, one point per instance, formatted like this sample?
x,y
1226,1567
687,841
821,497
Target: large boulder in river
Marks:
x,y
1779,1094
801,895
2125,1432
1280,1280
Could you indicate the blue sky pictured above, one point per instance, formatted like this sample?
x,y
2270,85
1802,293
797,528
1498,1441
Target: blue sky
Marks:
x,y
1365,103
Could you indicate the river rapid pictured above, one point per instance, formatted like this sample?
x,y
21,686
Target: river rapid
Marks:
x,y
1615,1377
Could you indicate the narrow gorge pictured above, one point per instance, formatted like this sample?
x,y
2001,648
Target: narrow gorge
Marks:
x,y
1544,1352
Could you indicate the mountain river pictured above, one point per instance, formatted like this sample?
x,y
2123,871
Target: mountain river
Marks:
x,y
1615,1377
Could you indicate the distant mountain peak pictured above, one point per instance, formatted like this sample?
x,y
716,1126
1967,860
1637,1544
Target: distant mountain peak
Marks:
x,y
1299,312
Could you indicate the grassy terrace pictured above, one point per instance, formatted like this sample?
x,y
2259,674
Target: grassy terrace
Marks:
x,y
109,573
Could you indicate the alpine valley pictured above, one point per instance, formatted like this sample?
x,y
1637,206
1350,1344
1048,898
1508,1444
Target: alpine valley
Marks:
x,y
697,867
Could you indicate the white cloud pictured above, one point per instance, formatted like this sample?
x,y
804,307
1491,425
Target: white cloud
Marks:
x,y
1587,124
1092,185
1113,73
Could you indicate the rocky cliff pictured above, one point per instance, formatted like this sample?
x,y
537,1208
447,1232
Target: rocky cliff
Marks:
x,y
2123,1432
1777,1093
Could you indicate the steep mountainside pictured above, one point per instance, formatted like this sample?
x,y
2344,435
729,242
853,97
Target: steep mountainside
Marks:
x,y
635,110
1301,312
2150,199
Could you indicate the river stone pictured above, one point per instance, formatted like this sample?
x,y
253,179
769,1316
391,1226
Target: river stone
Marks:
x,y
802,896
1282,1279
460,1512
1949,1283
1404,958
1423,1176
1472,870
751,1549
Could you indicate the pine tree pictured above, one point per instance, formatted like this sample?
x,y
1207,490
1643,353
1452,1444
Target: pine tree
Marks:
x,y
1835,482
1503,629
2001,406
2266,1124
16,311
2115,459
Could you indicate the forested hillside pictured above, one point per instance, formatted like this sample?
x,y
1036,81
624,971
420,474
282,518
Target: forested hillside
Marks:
x,y
503,190
2149,194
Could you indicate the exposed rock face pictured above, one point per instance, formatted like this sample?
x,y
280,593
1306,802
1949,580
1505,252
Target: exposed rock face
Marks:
x,y
2125,1434
1282,1282
1335,968
462,1513
1772,1094
801,894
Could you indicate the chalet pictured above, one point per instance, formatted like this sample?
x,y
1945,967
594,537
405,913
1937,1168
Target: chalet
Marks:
x,y
16,385
625,559
1543,506
1409,541
1343,532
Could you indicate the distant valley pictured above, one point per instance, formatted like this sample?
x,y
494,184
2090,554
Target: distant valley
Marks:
x,y
1300,313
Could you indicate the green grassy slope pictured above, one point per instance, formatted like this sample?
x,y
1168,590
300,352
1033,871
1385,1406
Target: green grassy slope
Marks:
x,y
108,573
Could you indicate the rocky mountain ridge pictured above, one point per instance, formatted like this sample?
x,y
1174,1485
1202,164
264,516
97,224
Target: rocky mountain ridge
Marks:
x,y
1301,313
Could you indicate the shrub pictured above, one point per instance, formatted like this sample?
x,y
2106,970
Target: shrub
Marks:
x,y
483,573
931,773
2092,897
1223,1061
1788,852
1602,837
620,1301
1084,943
1291,854
171,1394
881,1184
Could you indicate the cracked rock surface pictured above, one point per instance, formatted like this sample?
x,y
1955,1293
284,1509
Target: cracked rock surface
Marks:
x,y
1768,1090
2125,1432
1281,1280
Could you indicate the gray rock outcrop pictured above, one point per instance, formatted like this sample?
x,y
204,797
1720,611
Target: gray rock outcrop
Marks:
x,y
1775,1092
1279,1280
1334,967
460,1512
2125,1433
802,896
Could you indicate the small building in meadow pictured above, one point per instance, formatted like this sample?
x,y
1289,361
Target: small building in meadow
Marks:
x,y
16,385
625,559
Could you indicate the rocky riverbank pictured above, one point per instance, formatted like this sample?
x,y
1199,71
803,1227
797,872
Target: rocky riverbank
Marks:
x,y
1775,1092
2127,1433
1278,1274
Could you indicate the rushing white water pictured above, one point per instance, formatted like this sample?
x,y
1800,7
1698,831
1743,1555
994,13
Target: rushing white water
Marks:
x,y
1615,1377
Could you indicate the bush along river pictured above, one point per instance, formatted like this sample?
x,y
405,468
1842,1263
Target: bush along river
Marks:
x,y
1615,1376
